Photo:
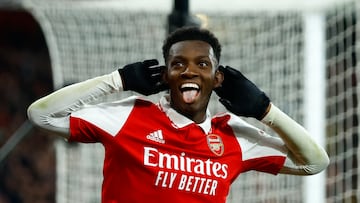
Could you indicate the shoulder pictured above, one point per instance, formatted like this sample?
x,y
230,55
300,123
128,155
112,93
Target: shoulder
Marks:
x,y
231,119
120,108
242,129
109,116
115,106
102,112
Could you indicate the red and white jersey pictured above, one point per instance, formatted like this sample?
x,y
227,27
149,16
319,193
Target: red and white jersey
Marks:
x,y
154,154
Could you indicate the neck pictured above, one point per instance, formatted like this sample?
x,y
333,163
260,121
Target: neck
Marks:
x,y
196,116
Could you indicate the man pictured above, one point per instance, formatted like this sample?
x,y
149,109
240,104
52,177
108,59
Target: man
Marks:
x,y
174,150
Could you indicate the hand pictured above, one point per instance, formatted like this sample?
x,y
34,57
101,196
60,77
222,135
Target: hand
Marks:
x,y
143,77
240,96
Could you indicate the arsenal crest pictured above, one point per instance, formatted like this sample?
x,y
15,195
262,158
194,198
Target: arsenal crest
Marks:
x,y
215,144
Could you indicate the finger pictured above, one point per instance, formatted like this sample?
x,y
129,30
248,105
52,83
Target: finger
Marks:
x,y
156,72
163,86
221,68
236,74
151,62
156,69
228,74
220,91
156,77
232,72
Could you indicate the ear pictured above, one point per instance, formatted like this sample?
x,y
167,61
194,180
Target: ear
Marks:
x,y
219,78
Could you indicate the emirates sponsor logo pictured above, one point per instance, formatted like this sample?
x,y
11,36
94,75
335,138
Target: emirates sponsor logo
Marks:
x,y
215,144
153,157
185,173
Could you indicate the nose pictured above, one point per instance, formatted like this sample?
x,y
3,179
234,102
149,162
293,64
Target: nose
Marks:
x,y
189,72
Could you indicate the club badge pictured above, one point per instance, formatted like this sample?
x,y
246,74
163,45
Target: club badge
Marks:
x,y
215,144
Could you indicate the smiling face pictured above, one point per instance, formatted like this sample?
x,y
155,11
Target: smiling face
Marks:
x,y
192,75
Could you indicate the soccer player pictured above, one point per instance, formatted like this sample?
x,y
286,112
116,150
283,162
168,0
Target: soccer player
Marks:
x,y
174,150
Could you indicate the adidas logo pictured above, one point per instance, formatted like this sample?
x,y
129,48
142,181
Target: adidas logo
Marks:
x,y
156,136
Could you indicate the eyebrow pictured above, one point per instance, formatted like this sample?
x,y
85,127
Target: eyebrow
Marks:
x,y
197,58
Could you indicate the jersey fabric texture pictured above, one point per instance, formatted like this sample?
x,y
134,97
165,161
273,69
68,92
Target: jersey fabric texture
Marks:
x,y
154,154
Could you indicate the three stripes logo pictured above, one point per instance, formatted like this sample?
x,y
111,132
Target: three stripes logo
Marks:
x,y
156,136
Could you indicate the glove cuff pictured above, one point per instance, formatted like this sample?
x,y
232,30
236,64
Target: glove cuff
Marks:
x,y
264,107
121,74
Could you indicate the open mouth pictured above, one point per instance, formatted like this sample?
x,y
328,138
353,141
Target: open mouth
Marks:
x,y
189,92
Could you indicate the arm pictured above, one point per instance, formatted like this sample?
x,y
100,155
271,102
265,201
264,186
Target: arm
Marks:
x,y
305,156
53,112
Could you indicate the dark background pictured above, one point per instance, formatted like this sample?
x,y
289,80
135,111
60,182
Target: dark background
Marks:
x,y
27,174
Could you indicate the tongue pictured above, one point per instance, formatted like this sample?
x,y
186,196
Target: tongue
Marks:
x,y
189,96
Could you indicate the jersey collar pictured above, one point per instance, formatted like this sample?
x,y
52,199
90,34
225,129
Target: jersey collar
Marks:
x,y
179,120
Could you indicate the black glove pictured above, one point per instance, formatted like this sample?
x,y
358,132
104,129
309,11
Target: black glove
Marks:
x,y
240,96
143,77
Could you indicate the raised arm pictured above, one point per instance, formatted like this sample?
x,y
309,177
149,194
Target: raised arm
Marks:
x,y
52,112
305,157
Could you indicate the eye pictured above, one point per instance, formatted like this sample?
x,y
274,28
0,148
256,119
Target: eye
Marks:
x,y
204,64
177,64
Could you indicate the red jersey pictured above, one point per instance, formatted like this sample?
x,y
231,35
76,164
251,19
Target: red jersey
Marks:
x,y
154,154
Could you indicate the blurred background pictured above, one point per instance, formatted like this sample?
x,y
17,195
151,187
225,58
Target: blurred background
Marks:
x,y
28,172
303,54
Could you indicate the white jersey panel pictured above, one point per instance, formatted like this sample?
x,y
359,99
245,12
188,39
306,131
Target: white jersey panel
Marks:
x,y
254,142
110,117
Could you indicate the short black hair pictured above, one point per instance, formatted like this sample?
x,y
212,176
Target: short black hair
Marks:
x,y
191,33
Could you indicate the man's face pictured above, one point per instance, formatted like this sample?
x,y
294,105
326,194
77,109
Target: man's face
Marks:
x,y
191,76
